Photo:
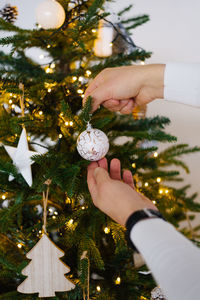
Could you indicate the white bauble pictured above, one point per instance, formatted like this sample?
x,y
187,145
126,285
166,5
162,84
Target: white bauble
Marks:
x,y
92,144
50,14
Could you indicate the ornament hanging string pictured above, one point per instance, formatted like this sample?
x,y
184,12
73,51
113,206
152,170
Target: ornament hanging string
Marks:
x,y
84,256
45,201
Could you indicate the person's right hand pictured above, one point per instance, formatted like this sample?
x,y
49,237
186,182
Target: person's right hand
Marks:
x,y
121,88
116,198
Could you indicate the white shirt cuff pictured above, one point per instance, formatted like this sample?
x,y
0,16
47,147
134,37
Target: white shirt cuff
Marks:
x,y
182,83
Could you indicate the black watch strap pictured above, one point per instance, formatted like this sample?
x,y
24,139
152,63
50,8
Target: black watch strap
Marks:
x,y
137,216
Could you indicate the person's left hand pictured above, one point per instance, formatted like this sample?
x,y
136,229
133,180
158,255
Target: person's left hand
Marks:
x,y
117,198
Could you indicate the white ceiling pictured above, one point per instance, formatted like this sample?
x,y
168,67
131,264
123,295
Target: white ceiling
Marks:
x,y
172,35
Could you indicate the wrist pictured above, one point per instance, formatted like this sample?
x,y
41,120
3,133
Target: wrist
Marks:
x,y
154,80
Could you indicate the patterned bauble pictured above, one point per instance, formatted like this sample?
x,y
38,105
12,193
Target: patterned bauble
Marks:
x,y
157,294
92,144
50,14
9,13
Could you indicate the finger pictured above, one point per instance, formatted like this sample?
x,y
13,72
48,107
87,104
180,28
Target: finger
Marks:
x,y
101,94
115,105
128,178
128,108
92,86
103,163
115,169
91,179
101,175
111,103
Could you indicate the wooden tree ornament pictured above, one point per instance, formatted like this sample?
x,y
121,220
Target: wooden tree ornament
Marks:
x,y
46,271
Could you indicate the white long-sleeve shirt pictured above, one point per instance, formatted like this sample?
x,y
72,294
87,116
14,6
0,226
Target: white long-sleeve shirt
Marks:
x,y
173,260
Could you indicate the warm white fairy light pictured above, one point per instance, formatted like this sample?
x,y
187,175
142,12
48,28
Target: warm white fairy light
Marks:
x,y
3,197
98,288
111,44
142,63
49,70
10,101
160,191
79,91
118,280
133,165
74,78
11,94
66,123
88,72
83,207
53,65
50,210
70,222
158,179
154,202
146,184
106,230
155,154
49,90
40,231
71,123
82,95
19,245
13,106
60,136
94,30
53,217
55,213
80,79
48,46
166,191
40,113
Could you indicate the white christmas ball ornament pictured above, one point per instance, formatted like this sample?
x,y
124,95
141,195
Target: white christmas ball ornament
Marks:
x,y
92,144
50,14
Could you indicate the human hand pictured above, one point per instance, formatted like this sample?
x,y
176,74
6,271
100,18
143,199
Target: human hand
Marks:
x,y
121,88
116,198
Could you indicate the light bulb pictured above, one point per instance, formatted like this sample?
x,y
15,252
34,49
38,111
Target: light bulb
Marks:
x,y
79,91
158,179
60,136
133,165
3,197
74,78
71,123
160,191
155,154
146,184
19,245
88,72
106,230
70,221
118,280
66,123
98,288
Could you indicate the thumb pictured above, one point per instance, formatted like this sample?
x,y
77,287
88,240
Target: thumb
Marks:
x,y
101,175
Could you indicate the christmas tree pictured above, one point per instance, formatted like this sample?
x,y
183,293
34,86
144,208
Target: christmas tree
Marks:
x,y
48,103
